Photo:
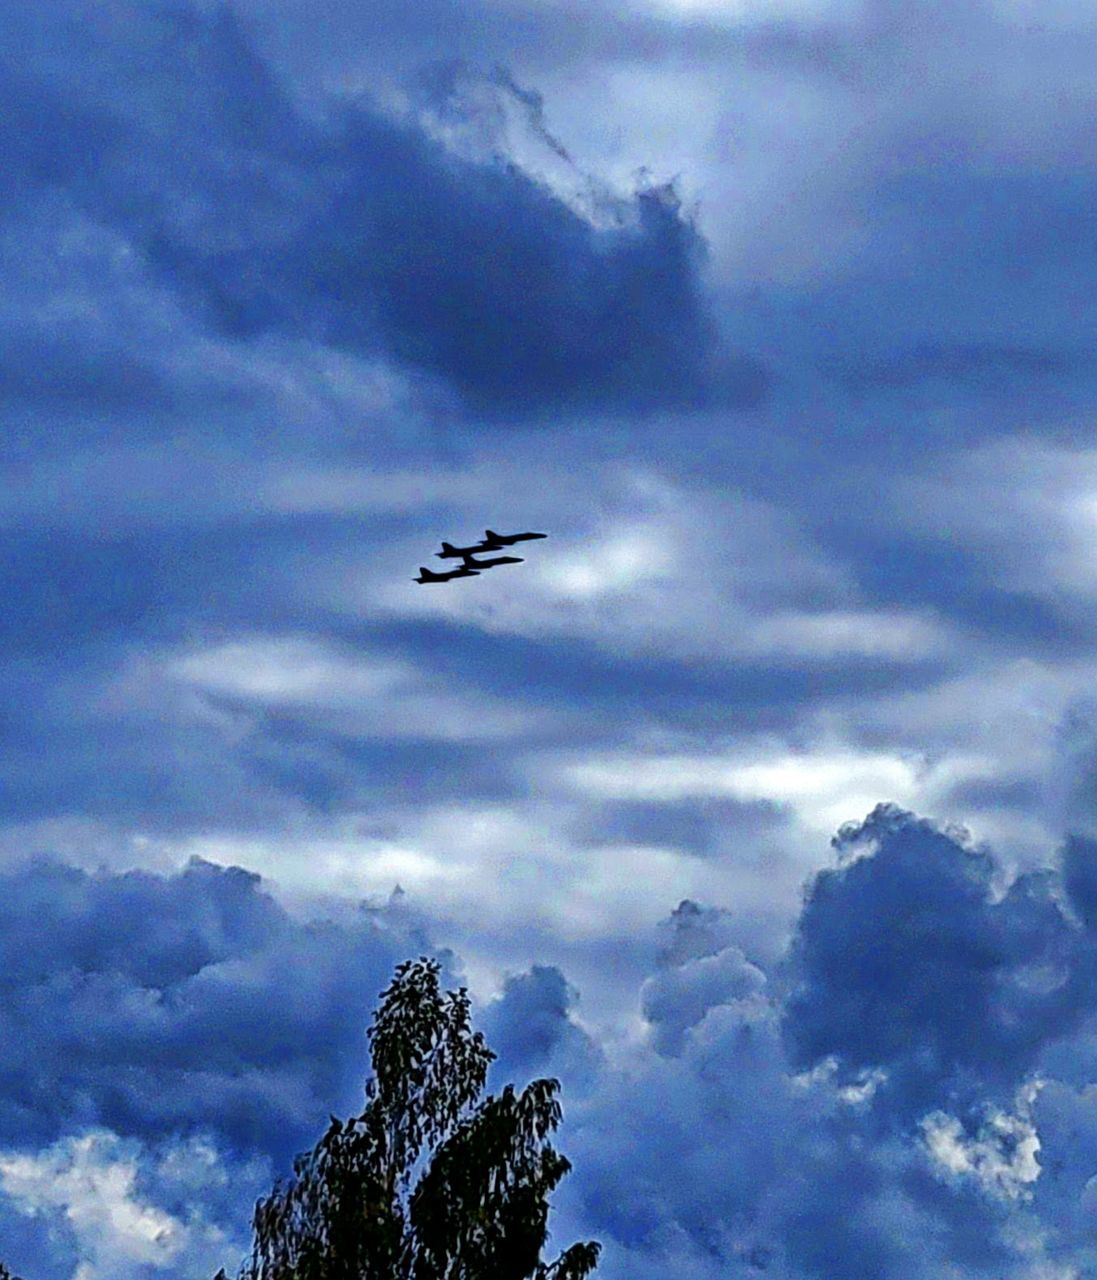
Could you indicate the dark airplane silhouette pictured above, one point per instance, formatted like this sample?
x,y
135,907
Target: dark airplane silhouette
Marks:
x,y
425,575
493,540
449,552
470,563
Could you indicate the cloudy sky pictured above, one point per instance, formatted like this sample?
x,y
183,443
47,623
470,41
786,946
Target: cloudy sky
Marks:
x,y
759,805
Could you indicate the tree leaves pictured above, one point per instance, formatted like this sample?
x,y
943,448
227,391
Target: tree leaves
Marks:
x,y
430,1182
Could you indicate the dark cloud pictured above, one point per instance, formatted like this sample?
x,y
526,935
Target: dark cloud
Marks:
x,y
363,233
904,961
1080,877
1022,794
157,1005
918,1139
698,692
530,1029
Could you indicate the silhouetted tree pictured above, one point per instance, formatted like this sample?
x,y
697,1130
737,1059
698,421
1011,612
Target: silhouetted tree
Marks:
x,y
5,1274
430,1182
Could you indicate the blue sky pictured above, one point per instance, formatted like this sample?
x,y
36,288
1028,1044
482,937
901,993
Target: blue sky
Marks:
x,y
759,804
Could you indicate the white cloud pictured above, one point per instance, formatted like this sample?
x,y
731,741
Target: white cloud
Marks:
x,y
757,11
89,1182
639,565
997,725
495,868
852,633
1001,1158
620,561
822,788
1028,509
347,690
287,672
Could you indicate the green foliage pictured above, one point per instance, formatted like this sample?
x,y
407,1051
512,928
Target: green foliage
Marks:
x,y
430,1182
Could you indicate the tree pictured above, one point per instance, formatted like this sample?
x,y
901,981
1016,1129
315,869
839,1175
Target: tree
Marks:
x,y
430,1182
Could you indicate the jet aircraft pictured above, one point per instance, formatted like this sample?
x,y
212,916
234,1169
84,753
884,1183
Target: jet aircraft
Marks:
x,y
425,575
449,552
470,563
494,540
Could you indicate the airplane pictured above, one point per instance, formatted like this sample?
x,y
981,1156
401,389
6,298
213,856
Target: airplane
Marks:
x,y
470,563
449,552
425,574
493,540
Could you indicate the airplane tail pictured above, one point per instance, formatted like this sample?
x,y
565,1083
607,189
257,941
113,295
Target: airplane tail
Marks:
x,y
446,547
424,571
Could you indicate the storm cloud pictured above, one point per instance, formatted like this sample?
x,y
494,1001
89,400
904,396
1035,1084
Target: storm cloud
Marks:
x,y
359,230
188,1003
893,1104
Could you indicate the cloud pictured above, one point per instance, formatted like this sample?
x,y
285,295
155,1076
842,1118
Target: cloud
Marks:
x,y
818,787
361,696
888,1095
87,1187
680,998
650,565
186,1003
255,334
812,1155
361,232
531,1023
1080,877
468,864
904,960
1003,1155
1026,518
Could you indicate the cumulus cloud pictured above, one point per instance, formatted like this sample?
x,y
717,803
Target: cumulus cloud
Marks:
x,y
1002,1156
892,1097
101,1197
532,1024
928,975
681,996
172,1004
923,1133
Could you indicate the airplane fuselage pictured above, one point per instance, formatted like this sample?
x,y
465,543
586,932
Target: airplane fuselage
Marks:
x,y
494,540
455,553
487,564
425,575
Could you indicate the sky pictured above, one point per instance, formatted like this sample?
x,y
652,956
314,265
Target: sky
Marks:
x,y
758,805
